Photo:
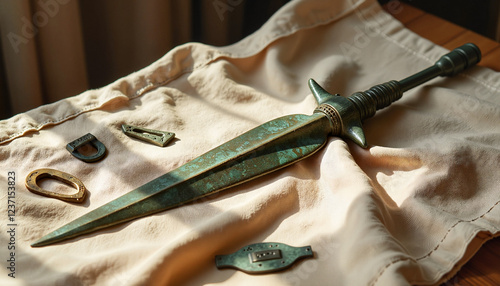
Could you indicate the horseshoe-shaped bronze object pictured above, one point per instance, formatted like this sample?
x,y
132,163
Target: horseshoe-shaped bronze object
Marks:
x,y
34,176
73,146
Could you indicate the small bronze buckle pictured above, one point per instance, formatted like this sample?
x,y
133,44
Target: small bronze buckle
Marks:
x,y
34,176
73,146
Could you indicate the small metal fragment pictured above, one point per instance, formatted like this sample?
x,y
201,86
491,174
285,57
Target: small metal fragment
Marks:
x,y
34,176
156,137
263,257
73,146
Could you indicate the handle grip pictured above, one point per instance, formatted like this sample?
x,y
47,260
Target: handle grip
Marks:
x,y
346,114
382,95
459,59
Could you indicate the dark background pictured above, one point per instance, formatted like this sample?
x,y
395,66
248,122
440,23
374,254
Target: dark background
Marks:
x,y
481,16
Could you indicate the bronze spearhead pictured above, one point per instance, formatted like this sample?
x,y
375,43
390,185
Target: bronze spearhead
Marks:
x,y
264,149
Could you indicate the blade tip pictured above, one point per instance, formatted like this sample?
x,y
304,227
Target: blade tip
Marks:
x,y
46,240
38,243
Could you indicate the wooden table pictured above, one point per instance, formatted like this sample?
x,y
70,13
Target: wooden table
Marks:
x,y
484,267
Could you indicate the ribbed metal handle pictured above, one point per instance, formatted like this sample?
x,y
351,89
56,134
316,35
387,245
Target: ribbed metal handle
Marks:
x,y
346,113
375,98
382,95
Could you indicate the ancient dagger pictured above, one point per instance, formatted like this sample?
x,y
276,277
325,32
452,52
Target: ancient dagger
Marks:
x,y
266,148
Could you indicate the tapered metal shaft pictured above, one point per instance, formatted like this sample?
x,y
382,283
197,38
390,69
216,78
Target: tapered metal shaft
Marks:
x,y
268,147
448,65
261,150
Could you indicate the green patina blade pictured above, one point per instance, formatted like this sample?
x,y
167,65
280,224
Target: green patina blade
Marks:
x,y
270,146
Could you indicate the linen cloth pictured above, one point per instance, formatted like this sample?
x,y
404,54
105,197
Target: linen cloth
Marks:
x,y
410,209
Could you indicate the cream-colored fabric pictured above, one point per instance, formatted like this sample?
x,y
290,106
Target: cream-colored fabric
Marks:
x,y
410,209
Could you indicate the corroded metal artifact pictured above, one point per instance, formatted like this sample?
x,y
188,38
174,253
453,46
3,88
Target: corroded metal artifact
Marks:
x,y
268,147
36,175
156,137
74,146
263,257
